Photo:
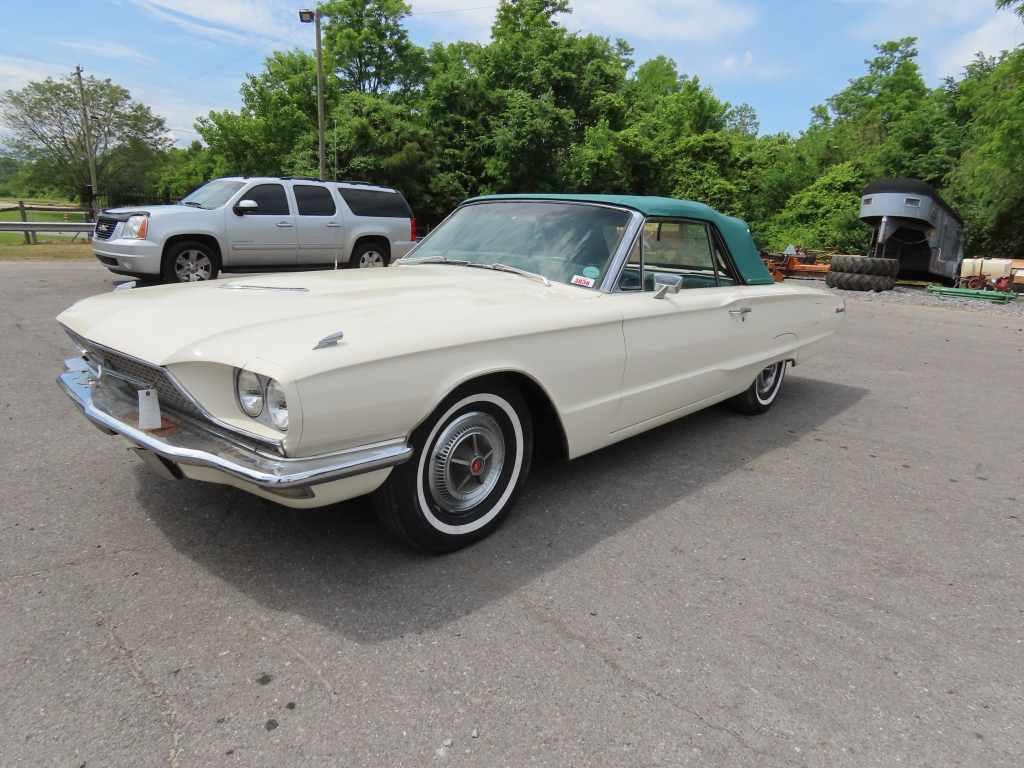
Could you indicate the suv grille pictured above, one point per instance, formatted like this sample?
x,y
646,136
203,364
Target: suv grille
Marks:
x,y
138,372
105,227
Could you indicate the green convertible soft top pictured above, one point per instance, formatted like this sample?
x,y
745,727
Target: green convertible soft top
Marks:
x,y
735,231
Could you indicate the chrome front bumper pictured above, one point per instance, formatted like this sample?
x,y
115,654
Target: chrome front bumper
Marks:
x,y
183,441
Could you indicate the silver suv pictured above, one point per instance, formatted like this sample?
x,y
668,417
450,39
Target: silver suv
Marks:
x,y
248,224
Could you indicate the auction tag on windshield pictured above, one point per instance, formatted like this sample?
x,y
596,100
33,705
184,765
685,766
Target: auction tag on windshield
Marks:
x,y
149,409
586,282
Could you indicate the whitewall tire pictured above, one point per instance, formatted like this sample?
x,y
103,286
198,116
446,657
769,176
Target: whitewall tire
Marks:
x,y
472,457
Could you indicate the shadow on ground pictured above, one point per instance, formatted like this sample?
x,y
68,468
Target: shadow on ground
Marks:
x,y
337,567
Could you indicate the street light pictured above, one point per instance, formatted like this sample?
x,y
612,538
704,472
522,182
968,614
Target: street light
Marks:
x,y
307,16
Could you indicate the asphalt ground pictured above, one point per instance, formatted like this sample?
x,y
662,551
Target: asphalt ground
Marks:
x,y
836,583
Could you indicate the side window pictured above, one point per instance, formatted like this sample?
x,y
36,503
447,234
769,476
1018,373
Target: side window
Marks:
x,y
270,198
677,245
314,201
375,203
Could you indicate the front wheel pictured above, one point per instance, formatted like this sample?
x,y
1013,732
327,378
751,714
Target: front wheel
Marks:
x,y
189,262
471,458
761,395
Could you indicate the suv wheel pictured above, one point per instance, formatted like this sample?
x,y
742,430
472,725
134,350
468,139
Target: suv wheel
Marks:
x,y
190,262
368,255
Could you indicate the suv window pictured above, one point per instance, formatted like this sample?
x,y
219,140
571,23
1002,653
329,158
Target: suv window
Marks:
x,y
373,202
270,198
314,201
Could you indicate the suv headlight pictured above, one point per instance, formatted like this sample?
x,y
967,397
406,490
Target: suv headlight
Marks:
x,y
261,398
136,227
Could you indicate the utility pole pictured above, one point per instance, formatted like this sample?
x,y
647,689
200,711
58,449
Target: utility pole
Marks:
x,y
90,148
320,98
306,16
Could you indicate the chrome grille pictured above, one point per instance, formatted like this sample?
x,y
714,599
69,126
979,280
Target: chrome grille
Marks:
x,y
105,227
139,374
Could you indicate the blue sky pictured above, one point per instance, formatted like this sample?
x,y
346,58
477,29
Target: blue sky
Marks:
x,y
185,57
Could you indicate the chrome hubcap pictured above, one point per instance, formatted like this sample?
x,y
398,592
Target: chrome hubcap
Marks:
x,y
466,461
767,378
371,259
192,265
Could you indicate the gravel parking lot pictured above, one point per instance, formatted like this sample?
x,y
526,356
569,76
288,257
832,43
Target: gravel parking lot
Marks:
x,y
837,583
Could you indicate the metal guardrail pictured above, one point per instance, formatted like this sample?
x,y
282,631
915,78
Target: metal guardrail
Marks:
x,y
46,226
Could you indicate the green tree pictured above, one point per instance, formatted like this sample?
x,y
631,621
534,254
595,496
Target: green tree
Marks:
x,y
1017,6
824,214
369,48
44,124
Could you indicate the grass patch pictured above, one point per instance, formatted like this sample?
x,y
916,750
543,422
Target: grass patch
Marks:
x,y
51,251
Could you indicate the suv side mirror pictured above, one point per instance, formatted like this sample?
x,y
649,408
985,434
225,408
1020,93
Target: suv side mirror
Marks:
x,y
243,207
666,284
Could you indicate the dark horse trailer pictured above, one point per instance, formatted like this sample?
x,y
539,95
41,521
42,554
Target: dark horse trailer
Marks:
x,y
914,225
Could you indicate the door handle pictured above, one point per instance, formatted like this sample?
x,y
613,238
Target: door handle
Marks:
x,y
285,224
741,313
332,225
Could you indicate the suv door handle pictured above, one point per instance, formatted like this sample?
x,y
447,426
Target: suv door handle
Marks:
x,y
332,224
741,313
285,224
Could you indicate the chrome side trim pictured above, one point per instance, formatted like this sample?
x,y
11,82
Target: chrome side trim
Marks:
x,y
185,442
240,287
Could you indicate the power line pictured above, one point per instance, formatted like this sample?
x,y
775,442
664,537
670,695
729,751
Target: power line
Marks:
x,y
454,10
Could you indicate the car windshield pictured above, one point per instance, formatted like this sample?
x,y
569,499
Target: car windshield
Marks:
x,y
564,242
214,194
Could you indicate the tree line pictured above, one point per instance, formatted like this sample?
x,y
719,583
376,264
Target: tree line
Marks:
x,y
539,108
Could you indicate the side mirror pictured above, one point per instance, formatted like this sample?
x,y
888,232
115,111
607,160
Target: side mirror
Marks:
x,y
664,284
243,207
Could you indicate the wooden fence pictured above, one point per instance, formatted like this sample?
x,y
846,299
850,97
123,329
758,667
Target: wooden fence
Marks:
x,y
26,226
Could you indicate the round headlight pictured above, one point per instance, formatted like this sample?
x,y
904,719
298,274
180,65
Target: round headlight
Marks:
x,y
277,405
250,393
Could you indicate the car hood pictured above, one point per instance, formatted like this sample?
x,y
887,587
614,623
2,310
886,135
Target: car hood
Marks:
x,y
280,318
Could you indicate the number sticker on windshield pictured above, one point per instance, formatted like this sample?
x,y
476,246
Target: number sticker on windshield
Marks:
x,y
586,282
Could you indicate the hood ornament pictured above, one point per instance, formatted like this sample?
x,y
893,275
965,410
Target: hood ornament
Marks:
x,y
331,340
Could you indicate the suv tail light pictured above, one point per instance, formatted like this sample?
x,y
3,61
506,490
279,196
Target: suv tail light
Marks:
x,y
412,229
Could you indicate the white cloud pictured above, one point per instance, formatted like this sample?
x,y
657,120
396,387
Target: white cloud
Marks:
x,y
676,20
682,20
109,50
241,22
15,73
1002,32
450,20
888,19
745,67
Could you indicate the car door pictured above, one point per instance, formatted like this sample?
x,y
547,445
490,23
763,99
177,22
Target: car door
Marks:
x,y
318,224
680,347
263,236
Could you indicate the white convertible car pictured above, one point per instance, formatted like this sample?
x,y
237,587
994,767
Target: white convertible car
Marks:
x,y
562,322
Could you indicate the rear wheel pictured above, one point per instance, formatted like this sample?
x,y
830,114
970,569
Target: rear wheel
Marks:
x,y
188,262
761,395
471,458
369,255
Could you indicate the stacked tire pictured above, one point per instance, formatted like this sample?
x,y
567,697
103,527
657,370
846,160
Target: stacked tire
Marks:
x,y
862,273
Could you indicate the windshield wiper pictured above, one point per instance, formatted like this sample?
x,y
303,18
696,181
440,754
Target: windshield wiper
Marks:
x,y
438,260
517,271
193,203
